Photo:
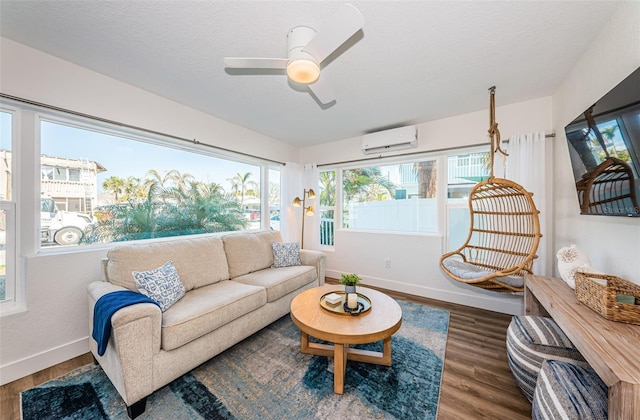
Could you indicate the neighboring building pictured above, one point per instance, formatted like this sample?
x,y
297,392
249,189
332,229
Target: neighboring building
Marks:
x,y
72,183
463,172
5,175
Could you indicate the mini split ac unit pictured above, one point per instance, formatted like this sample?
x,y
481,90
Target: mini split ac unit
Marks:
x,y
390,140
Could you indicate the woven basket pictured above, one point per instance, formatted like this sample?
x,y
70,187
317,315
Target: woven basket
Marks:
x,y
604,298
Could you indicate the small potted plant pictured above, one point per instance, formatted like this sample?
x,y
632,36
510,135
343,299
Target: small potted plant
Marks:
x,y
350,282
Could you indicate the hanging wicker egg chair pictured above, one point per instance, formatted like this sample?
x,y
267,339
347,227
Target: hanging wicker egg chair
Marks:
x,y
504,231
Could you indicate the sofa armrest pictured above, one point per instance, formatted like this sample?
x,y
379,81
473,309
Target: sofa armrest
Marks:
x,y
134,343
316,259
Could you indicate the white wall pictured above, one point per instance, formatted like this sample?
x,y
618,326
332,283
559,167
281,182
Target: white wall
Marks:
x,y
54,328
33,75
612,243
415,257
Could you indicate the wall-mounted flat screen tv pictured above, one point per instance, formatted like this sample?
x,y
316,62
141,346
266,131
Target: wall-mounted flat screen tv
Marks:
x,y
604,147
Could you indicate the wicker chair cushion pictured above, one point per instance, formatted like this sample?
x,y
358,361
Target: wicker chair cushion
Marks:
x,y
530,341
568,391
469,271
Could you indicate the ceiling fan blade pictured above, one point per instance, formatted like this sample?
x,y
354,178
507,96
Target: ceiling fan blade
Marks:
x,y
256,63
336,31
322,91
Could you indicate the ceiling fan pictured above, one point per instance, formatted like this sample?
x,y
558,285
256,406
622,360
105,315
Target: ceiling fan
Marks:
x,y
308,48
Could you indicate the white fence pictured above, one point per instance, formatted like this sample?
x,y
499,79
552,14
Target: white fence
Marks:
x,y
412,215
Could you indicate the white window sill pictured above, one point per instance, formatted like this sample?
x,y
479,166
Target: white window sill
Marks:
x,y
10,308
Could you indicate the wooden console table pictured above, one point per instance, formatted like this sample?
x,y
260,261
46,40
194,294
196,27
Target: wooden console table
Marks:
x,y
611,348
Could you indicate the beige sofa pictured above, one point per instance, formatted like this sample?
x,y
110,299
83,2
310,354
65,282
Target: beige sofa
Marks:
x,y
231,293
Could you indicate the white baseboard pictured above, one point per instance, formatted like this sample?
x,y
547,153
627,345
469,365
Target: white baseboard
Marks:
x,y
481,299
35,363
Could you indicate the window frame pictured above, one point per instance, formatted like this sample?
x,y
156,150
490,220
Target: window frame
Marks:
x,y
24,208
334,207
391,161
456,203
443,205
158,139
339,168
14,301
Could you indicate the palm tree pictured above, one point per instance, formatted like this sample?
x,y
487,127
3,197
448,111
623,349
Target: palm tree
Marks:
x,y
172,205
241,186
363,183
171,178
609,133
116,186
204,207
133,190
328,188
427,174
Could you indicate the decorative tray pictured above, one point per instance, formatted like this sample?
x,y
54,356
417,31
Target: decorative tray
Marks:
x,y
364,304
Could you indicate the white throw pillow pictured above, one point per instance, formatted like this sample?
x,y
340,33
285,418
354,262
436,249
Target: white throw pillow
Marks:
x,y
570,260
161,284
285,254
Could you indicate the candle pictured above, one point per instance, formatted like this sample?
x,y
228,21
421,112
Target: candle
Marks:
x,y
352,300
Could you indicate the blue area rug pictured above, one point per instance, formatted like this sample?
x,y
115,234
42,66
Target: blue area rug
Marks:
x,y
266,377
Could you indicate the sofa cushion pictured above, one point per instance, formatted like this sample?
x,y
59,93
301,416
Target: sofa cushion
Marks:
x,y
199,261
285,254
280,281
249,251
207,308
163,285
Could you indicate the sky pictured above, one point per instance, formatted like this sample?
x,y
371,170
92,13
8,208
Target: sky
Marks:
x,y
5,131
124,157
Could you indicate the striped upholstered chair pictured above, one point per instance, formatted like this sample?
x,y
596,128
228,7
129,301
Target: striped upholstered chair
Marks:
x,y
530,341
564,390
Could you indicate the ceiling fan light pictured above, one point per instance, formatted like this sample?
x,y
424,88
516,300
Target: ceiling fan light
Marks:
x,y
303,71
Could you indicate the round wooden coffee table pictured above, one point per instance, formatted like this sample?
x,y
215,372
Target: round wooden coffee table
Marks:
x,y
378,323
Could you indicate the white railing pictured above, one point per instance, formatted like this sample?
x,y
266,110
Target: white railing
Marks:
x,y
65,188
472,170
326,231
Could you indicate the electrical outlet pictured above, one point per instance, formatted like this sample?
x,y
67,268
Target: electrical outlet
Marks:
x,y
387,263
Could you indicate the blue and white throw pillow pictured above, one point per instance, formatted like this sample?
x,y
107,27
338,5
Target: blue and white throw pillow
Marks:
x,y
285,254
161,284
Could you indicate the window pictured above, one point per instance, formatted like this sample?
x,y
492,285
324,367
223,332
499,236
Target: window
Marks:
x,y
100,186
399,197
74,175
402,197
327,206
7,212
274,199
463,173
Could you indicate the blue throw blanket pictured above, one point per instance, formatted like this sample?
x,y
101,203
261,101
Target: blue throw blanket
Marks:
x,y
105,307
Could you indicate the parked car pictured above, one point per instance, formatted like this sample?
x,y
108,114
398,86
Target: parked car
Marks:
x,y
252,214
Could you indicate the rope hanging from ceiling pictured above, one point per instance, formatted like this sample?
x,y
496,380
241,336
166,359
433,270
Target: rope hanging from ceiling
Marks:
x,y
504,231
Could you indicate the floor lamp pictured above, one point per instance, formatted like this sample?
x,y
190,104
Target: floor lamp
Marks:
x,y
308,211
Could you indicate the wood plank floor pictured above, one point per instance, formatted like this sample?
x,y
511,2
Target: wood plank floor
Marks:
x,y
476,383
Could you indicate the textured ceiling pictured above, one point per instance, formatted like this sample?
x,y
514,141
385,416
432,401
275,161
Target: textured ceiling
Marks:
x,y
414,61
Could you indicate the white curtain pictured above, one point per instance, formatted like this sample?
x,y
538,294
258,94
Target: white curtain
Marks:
x,y
295,179
290,188
529,164
310,180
